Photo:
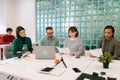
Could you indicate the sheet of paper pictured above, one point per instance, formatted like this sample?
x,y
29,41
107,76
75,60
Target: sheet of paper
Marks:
x,y
63,50
57,71
96,52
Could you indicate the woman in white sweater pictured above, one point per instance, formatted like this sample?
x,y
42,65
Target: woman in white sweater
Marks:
x,y
74,43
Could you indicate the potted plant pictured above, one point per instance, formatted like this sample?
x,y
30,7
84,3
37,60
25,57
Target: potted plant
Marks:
x,y
106,58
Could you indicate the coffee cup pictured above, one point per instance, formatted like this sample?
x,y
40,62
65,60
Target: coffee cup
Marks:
x,y
19,54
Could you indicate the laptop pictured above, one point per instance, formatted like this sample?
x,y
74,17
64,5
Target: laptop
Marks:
x,y
45,52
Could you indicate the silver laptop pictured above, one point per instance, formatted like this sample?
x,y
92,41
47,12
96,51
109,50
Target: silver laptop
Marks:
x,y
45,52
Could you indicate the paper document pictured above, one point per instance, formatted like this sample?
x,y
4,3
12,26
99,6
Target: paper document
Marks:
x,y
96,52
57,71
63,50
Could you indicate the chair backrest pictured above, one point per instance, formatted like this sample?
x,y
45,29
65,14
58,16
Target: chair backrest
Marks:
x,y
8,51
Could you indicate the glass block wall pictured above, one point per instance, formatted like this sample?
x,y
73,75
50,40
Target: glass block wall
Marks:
x,y
89,16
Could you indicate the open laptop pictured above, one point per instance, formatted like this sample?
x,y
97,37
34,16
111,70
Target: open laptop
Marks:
x,y
45,52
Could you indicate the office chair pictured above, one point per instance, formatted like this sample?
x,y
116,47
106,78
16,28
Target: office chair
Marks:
x,y
8,51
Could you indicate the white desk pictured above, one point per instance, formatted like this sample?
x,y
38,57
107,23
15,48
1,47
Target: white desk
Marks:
x,y
28,69
3,45
113,71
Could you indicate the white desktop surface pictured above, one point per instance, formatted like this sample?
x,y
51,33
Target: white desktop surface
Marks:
x,y
3,45
112,71
29,69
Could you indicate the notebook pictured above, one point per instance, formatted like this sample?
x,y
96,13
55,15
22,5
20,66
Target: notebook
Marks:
x,y
45,52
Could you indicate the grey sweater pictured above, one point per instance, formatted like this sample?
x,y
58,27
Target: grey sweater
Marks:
x,y
112,46
75,46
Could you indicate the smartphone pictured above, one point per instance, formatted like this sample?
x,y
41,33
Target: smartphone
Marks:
x,y
76,70
47,69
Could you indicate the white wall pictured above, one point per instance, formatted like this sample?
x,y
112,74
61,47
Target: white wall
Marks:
x,y
25,16
19,13
2,16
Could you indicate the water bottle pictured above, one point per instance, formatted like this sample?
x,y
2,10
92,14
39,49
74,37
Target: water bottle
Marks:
x,y
24,49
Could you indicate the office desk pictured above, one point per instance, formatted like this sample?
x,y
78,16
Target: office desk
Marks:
x,y
3,46
113,71
29,69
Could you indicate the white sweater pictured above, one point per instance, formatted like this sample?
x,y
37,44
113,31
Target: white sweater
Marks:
x,y
75,46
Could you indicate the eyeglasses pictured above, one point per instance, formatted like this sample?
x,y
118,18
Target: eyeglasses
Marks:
x,y
50,33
